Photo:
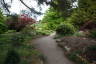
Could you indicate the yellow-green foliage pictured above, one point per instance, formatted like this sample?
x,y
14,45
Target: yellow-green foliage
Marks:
x,y
51,19
65,29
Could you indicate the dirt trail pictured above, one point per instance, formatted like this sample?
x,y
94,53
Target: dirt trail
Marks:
x,y
53,54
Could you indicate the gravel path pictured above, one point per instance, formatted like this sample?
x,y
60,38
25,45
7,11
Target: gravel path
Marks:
x,y
53,54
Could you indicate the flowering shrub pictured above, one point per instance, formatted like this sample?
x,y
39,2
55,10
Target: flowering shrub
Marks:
x,y
17,23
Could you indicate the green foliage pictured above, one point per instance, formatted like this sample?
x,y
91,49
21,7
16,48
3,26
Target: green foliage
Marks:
x,y
93,33
65,29
77,19
29,30
73,55
10,31
90,53
85,12
64,7
3,27
91,48
51,20
12,57
79,34
17,39
28,54
22,53
89,7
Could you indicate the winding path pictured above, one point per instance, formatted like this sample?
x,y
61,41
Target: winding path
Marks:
x,y
53,54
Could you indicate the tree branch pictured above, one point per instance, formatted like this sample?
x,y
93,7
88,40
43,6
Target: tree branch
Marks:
x,y
5,6
31,9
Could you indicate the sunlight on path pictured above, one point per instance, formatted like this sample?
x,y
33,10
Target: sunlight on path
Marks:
x,y
53,54
53,34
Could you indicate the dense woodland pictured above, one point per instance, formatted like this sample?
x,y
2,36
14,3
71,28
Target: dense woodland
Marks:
x,y
67,18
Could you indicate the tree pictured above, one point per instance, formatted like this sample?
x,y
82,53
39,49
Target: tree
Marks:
x,y
60,5
51,20
89,7
6,5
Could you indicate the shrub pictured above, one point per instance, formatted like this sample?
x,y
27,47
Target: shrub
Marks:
x,y
29,30
65,29
18,22
77,19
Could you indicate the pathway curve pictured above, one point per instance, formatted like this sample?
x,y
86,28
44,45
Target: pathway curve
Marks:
x,y
53,54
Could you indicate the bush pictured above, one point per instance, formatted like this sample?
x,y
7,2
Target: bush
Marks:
x,y
77,19
19,22
65,29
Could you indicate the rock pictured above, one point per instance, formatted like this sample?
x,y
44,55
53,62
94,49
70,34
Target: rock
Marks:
x,y
75,43
58,40
67,48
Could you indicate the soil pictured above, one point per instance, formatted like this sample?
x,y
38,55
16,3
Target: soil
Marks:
x,y
75,43
71,44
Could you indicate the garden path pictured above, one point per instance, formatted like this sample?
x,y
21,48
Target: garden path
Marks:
x,y
51,51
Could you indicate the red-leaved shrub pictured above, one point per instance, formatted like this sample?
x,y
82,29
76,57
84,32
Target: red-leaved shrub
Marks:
x,y
18,22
